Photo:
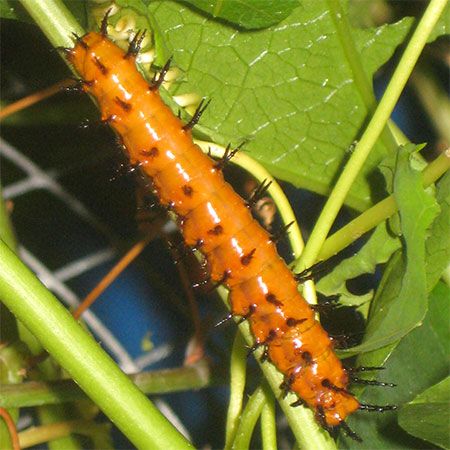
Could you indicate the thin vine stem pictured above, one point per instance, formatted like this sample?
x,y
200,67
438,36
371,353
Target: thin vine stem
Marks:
x,y
268,424
54,19
237,386
15,333
371,134
249,416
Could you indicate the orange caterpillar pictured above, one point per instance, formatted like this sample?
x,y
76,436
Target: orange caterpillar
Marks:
x,y
214,219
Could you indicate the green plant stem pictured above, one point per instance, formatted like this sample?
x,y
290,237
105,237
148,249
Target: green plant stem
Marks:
x,y
36,393
9,334
237,386
250,415
78,353
55,20
378,213
371,134
8,325
268,424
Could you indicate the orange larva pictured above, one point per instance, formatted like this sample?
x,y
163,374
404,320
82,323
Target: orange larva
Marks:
x,y
214,219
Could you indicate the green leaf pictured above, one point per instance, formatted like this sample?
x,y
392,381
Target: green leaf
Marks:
x,y
419,361
377,250
249,14
437,246
428,415
299,92
401,302
387,294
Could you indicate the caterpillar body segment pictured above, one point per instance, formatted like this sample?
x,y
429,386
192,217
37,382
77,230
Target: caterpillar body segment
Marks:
x,y
214,219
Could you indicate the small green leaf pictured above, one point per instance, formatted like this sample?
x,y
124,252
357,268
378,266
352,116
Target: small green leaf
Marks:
x,y
401,303
249,14
428,415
